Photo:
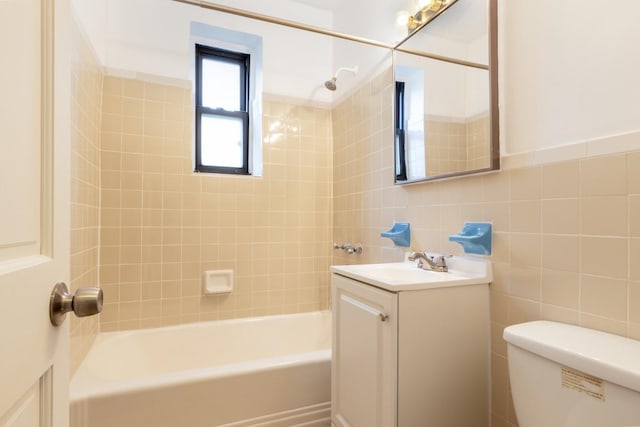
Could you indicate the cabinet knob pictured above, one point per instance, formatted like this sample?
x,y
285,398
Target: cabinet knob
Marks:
x,y
383,317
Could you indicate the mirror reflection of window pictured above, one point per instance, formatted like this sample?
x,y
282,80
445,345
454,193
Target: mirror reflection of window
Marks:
x,y
400,134
413,108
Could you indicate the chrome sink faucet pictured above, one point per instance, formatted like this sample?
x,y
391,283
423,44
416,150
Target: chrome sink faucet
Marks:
x,y
427,262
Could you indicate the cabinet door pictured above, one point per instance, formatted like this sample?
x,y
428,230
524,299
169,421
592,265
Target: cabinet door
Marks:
x,y
363,370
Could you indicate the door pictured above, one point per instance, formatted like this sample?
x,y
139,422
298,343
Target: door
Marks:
x,y
34,213
363,368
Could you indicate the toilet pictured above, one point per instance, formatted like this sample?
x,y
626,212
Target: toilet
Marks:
x,y
568,376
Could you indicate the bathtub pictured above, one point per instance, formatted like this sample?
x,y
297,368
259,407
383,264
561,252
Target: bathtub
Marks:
x,y
267,371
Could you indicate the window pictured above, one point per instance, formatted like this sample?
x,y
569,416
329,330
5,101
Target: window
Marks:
x,y
401,161
222,114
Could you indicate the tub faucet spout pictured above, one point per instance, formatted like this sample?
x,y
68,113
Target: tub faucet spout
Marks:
x,y
428,262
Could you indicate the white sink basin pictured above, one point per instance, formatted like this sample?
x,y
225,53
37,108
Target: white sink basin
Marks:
x,y
402,276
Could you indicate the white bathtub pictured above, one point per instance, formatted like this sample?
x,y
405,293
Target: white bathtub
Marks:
x,y
267,371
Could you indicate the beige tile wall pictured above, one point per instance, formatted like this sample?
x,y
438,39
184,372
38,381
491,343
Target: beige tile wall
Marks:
x,y
566,235
455,146
163,225
86,90
477,141
446,150
363,167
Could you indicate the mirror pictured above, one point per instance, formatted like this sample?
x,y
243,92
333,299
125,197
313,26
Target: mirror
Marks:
x,y
446,106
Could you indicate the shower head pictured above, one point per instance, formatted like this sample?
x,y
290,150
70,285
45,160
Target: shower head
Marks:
x,y
331,84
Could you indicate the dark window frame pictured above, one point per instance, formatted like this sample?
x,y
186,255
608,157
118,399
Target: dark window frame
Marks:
x,y
400,132
243,60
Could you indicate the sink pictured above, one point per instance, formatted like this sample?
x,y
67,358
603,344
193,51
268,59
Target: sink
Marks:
x,y
402,276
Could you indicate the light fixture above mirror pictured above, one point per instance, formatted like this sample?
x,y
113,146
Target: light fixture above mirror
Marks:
x,y
427,10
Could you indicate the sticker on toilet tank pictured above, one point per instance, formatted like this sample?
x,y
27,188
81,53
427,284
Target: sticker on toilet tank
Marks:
x,y
584,383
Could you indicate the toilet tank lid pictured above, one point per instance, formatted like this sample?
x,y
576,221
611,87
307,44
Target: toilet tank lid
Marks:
x,y
611,357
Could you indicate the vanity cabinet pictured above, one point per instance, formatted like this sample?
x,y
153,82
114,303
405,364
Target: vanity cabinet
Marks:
x,y
411,358
364,355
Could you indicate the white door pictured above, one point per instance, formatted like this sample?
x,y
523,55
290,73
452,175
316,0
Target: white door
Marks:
x,y
34,210
363,366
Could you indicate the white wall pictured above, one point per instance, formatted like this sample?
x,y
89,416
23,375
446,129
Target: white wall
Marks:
x,y
151,36
444,86
450,90
570,72
373,20
91,18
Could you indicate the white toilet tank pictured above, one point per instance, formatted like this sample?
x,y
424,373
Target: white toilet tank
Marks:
x,y
568,376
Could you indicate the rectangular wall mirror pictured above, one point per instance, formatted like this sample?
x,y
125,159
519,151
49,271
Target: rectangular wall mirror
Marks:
x,y
446,99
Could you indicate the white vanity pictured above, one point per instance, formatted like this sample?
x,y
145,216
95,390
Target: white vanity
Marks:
x,y
411,347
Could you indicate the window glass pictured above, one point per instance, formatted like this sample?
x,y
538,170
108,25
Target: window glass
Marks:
x,y
221,141
221,84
